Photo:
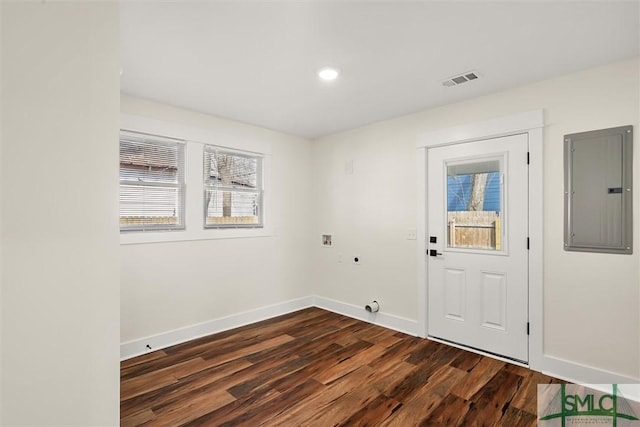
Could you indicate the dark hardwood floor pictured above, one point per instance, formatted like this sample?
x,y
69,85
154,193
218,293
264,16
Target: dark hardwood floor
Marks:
x,y
317,368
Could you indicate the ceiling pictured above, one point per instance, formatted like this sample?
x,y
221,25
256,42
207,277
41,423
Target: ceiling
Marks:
x,y
256,61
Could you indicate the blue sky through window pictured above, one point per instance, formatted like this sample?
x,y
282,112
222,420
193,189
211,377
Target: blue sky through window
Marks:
x,y
459,191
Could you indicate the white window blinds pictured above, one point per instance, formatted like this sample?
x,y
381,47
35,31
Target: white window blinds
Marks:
x,y
152,183
232,189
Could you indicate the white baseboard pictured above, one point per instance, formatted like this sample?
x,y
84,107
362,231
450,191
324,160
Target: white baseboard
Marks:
x,y
166,339
390,321
580,374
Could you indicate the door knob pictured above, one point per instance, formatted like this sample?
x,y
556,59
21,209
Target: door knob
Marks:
x,y
433,252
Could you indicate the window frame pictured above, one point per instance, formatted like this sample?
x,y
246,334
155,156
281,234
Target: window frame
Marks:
x,y
180,185
259,190
195,138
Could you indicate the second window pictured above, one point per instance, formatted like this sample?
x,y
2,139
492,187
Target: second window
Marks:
x,y
232,189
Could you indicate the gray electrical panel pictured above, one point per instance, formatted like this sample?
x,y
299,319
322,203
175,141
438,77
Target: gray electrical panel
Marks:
x,y
598,191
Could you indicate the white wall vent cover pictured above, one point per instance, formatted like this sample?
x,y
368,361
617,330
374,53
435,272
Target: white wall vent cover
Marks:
x,y
462,78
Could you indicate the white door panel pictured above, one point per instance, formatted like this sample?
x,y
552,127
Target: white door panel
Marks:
x,y
477,212
494,300
454,289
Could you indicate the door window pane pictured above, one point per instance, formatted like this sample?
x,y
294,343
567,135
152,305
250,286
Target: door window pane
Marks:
x,y
474,205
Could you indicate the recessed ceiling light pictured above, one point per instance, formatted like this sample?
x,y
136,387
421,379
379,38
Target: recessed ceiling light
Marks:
x,y
328,73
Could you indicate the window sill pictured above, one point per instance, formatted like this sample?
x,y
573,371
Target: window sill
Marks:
x,y
146,237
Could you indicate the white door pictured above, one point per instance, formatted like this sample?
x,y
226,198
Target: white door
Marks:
x,y
477,242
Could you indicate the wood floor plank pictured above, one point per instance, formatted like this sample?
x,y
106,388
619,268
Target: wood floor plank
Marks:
x,y
525,399
231,411
126,364
259,328
492,399
244,336
327,353
186,385
514,417
190,406
276,406
377,334
398,351
145,384
420,404
302,346
137,419
313,326
158,379
441,354
342,408
477,378
466,361
419,376
245,351
348,335
388,376
317,368
255,370
298,414
276,373
157,364
515,369
449,412
424,350
350,364
373,412
318,363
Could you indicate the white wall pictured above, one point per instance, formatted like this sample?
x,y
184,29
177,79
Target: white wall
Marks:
x,y
59,174
166,286
1,281
591,301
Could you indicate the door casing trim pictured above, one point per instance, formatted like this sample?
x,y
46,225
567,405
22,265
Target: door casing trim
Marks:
x,y
530,123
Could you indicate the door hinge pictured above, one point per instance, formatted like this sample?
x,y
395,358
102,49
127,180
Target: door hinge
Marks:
x,y
527,328
527,243
528,158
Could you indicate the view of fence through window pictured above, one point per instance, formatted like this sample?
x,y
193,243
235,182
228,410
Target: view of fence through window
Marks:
x,y
151,182
474,205
232,189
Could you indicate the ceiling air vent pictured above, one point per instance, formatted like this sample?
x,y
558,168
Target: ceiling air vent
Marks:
x,y
463,78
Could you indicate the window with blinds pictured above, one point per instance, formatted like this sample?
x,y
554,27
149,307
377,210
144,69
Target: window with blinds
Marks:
x,y
232,189
152,182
